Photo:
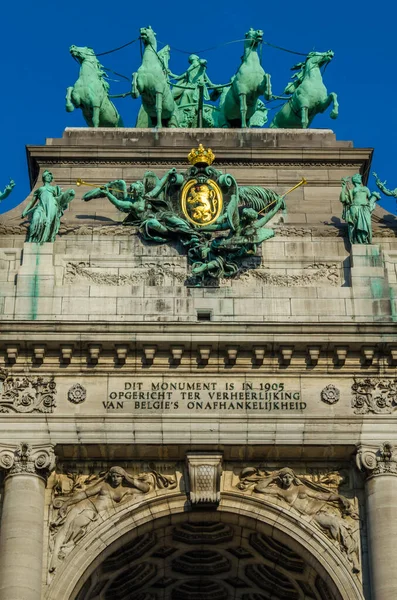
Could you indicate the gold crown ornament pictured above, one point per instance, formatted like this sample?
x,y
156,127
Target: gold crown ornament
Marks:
x,y
201,155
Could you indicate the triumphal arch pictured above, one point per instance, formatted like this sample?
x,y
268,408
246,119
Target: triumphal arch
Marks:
x,y
198,348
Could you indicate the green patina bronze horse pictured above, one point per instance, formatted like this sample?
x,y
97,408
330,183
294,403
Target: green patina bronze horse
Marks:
x,y
151,83
309,94
90,92
248,84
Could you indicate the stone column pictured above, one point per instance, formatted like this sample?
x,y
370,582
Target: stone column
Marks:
x,y
22,520
380,465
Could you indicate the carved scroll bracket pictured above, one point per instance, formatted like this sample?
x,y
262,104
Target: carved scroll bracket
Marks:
x,y
27,459
375,461
204,471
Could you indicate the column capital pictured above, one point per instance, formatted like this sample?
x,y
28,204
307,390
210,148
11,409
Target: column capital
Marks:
x,y
377,460
32,459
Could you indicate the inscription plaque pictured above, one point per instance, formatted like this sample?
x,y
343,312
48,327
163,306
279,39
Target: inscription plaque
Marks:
x,y
206,396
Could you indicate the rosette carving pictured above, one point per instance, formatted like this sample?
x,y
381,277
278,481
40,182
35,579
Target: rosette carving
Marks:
x,y
77,393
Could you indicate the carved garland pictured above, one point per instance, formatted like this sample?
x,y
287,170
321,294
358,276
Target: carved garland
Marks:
x,y
28,395
376,396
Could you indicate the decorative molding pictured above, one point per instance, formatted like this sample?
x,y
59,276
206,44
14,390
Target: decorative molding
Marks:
x,y
77,393
330,394
375,461
204,471
367,355
280,230
66,352
121,352
313,353
28,459
3,374
286,353
12,352
176,354
94,351
28,395
259,354
204,354
39,352
372,395
340,354
392,355
231,354
281,162
149,352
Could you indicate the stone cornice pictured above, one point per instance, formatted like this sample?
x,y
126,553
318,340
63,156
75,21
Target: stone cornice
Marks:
x,y
189,346
331,331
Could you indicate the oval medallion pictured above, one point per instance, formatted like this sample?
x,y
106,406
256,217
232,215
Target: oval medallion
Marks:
x,y
202,203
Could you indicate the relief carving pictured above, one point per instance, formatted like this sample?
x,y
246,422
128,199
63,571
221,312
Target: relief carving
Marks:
x,y
204,470
77,393
330,394
312,275
92,496
331,512
376,396
28,459
28,395
150,273
377,461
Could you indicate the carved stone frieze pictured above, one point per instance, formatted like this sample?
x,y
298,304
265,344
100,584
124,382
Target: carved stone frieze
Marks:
x,y
372,395
204,470
27,459
3,374
377,461
80,500
283,231
28,395
334,514
330,394
152,273
77,393
226,161
312,275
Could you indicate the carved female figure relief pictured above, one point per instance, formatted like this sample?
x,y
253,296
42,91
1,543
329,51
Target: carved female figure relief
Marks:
x,y
330,511
84,506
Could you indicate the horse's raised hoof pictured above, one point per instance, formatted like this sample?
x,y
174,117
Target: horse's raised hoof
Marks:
x,y
334,114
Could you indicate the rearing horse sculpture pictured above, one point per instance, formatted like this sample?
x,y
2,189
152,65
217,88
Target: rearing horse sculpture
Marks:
x,y
91,91
309,94
248,84
151,82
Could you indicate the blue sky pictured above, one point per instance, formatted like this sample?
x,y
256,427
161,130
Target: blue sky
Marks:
x,y
37,68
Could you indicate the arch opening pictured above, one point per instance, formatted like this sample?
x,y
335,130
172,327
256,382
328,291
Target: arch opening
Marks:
x,y
206,556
